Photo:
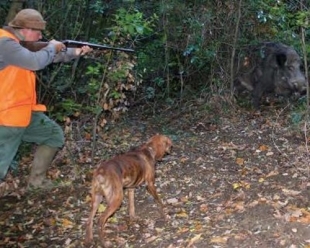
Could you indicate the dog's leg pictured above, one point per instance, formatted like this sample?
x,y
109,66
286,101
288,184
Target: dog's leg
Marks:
x,y
96,199
131,203
114,201
152,190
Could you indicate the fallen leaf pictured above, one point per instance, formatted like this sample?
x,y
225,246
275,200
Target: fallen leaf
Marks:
x,y
194,240
101,208
261,180
239,161
263,148
184,199
290,192
88,198
68,241
253,204
241,184
182,215
151,239
236,185
219,240
184,159
67,223
272,173
172,200
203,207
200,198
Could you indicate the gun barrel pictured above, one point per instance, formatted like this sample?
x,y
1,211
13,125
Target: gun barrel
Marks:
x,y
73,43
38,45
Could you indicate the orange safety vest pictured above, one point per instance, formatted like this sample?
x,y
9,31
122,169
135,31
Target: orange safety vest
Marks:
x,y
17,93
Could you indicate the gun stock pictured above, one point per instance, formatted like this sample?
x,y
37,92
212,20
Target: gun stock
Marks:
x,y
38,45
34,46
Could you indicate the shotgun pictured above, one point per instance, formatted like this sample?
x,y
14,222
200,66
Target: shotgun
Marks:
x,y
35,46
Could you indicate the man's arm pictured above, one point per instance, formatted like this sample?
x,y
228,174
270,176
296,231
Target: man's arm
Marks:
x,y
12,53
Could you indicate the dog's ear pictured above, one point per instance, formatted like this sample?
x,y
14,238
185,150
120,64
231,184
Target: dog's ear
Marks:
x,y
152,151
168,144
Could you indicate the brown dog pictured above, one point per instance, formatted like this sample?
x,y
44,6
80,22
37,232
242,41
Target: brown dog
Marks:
x,y
128,170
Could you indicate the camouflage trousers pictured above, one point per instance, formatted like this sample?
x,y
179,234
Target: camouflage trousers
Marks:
x,y
41,130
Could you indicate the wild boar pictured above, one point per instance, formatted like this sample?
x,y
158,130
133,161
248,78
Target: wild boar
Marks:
x,y
271,68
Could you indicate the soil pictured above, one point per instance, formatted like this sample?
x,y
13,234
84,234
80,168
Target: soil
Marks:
x,y
235,178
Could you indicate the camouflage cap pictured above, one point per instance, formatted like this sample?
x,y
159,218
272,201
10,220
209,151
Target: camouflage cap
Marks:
x,y
28,18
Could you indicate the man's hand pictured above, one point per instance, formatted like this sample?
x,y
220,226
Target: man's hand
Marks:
x,y
58,45
83,50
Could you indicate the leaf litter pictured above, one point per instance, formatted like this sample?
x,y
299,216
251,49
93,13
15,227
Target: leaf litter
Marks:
x,y
229,182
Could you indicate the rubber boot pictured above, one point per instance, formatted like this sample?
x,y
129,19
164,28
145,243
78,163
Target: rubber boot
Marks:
x,y
43,157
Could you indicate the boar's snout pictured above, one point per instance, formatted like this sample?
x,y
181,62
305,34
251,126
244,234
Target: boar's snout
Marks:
x,y
299,85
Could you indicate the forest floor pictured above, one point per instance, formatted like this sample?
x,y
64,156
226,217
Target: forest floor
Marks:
x,y
234,178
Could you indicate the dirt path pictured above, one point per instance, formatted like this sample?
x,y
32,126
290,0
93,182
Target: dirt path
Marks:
x,y
234,179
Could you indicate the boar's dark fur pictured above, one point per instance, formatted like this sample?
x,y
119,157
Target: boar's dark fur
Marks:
x,y
270,67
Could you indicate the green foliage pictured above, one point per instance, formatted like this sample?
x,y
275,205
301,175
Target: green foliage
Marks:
x,y
150,92
303,19
94,70
150,57
296,117
299,111
181,46
66,107
133,22
98,6
92,88
280,18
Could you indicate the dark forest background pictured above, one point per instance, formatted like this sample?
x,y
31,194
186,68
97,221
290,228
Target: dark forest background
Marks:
x,y
183,49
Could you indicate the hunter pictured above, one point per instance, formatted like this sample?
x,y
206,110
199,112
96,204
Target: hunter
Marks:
x,y
21,117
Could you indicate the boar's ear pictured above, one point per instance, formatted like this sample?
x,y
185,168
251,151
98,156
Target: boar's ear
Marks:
x,y
281,59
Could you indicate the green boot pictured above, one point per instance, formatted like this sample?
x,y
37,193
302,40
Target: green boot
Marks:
x,y
43,157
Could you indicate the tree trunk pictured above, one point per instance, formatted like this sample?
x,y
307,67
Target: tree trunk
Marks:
x,y
16,6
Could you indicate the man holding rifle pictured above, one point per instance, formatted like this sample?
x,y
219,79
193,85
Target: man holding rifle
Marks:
x,y
21,117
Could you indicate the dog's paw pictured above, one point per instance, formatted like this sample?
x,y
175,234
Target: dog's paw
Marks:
x,y
87,243
133,219
106,243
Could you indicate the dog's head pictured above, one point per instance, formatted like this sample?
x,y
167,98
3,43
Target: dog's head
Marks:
x,y
161,145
